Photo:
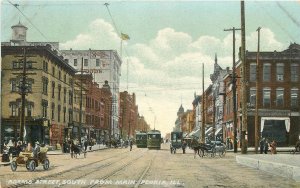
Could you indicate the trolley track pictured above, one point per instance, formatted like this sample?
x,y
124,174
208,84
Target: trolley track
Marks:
x,y
59,174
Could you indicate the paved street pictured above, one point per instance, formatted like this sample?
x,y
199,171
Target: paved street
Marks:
x,y
142,168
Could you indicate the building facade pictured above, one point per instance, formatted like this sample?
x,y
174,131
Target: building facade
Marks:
x,y
48,81
278,95
104,65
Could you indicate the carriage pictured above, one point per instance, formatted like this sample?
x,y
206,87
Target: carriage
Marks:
x,y
30,161
153,139
176,141
141,140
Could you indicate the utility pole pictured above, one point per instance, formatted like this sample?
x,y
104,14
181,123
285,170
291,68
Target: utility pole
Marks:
x,y
244,81
23,94
233,81
23,91
214,116
202,136
256,93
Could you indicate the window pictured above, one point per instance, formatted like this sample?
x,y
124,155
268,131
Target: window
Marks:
x,y
45,66
58,113
53,71
252,96
75,62
59,75
279,71
65,95
53,88
294,97
279,96
295,72
86,63
52,110
266,72
252,72
67,61
70,115
29,110
15,65
14,109
64,111
14,85
44,106
267,97
97,62
65,78
29,83
45,85
70,97
59,91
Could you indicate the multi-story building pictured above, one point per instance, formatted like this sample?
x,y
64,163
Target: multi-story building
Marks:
x,y
217,99
96,98
48,80
128,115
104,65
278,95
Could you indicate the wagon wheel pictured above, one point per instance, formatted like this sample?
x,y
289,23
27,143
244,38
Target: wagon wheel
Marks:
x,y
13,165
46,164
205,152
32,165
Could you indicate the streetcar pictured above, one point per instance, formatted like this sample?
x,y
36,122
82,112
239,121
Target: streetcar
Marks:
x,y
141,139
176,141
153,139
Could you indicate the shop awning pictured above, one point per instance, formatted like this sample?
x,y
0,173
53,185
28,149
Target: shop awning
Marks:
x,y
208,130
286,121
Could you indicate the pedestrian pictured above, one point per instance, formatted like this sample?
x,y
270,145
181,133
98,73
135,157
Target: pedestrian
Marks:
x,y
261,145
183,146
266,146
130,144
297,147
36,149
85,145
273,147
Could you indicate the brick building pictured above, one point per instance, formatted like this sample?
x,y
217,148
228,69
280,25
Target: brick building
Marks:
x,y
278,95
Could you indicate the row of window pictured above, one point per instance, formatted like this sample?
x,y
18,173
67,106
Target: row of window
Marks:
x,y
85,62
45,68
280,76
279,100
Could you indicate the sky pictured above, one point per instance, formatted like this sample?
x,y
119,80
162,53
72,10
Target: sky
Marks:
x,y
169,40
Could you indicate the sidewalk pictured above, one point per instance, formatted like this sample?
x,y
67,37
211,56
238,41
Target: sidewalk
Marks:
x,y
94,148
59,152
252,149
285,165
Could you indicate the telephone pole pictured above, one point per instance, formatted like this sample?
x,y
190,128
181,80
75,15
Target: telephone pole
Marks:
x,y
256,93
244,81
23,90
233,81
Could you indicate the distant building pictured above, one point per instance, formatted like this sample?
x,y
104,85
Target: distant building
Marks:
x,y
104,65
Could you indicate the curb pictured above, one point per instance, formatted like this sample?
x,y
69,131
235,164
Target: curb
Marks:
x,y
280,169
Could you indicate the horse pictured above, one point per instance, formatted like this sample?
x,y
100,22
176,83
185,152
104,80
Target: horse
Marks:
x,y
75,149
197,147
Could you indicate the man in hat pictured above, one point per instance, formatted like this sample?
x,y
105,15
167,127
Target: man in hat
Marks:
x,y
36,149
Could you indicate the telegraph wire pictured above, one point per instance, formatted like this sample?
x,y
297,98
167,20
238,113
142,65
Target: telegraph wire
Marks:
x,y
17,7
